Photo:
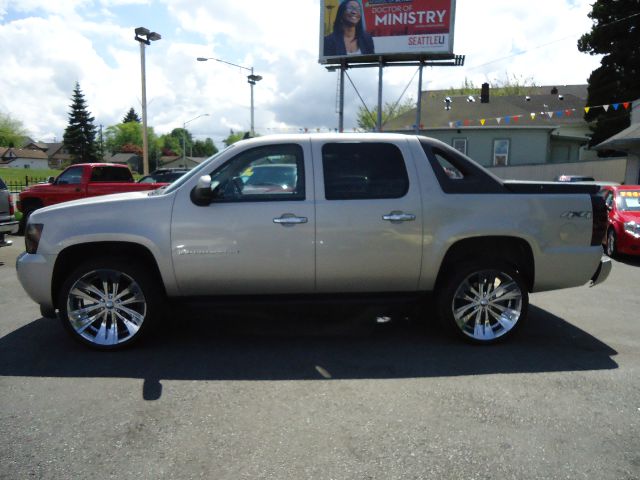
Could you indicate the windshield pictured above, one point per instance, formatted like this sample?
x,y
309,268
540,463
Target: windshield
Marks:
x,y
198,171
629,201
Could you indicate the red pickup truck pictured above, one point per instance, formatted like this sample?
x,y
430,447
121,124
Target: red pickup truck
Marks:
x,y
80,181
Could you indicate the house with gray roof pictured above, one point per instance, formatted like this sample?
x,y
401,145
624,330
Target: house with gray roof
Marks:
x,y
536,135
23,158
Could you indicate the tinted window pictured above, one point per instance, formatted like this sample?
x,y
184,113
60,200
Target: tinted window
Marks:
x,y
457,173
274,172
363,171
2,185
110,174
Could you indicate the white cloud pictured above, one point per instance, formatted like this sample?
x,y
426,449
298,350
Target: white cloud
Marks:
x,y
61,41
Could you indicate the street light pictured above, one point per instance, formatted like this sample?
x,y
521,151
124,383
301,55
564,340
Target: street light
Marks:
x,y
251,79
184,134
145,37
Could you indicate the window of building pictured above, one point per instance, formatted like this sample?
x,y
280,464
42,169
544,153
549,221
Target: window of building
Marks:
x,y
501,152
460,144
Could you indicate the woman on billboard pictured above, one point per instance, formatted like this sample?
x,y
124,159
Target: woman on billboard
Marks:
x,y
349,36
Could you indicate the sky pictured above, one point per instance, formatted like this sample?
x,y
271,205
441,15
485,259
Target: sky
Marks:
x,y
48,45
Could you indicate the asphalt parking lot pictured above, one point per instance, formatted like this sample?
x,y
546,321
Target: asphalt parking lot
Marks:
x,y
271,394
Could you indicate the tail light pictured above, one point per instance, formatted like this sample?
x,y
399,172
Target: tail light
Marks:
x,y
11,209
600,215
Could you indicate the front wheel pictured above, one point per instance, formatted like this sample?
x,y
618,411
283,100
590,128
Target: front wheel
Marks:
x,y
483,303
108,303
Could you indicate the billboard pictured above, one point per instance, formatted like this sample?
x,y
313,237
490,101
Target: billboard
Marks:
x,y
364,30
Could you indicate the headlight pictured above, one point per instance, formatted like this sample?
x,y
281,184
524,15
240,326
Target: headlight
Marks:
x,y
632,228
32,237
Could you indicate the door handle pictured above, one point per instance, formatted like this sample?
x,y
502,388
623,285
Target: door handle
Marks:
x,y
289,219
399,217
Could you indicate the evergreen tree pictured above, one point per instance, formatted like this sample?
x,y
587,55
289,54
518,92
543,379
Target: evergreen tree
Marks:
x,y
80,134
131,116
615,34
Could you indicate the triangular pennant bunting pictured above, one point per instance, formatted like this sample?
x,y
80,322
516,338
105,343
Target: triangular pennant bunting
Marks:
x,y
626,105
586,109
606,108
533,116
499,119
550,114
482,120
615,106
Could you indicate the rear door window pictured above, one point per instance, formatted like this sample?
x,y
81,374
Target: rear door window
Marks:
x,y
111,174
355,171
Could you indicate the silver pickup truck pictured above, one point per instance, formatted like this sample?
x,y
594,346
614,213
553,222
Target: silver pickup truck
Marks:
x,y
308,216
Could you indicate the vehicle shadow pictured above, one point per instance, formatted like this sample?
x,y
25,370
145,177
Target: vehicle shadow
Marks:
x,y
271,345
629,260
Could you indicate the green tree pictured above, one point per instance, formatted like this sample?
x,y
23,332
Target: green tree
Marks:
x,y
367,119
80,135
11,131
184,138
122,134
510,85
131,116
204,148
127,138
170,145
234,137
615,34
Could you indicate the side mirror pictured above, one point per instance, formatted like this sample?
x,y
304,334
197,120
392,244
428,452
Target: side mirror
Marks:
x,y
202,194
51,179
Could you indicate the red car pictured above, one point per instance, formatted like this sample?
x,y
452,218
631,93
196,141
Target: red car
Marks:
x,y
623,232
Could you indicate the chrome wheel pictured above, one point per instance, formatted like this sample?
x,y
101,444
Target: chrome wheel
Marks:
x,y
487,305
106,307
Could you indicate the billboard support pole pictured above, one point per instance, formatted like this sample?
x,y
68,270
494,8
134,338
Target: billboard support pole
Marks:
x,y
419,102
343,67
379,120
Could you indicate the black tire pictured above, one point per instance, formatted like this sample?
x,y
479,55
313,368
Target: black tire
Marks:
x,y
23,221
610,248
482,302
109,303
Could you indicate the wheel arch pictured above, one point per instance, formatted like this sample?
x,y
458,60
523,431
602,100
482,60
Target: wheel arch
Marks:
x,y
69,258
513,250
30,203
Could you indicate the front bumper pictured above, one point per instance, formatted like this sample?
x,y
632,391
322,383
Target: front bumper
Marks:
x,y
7,228
35,273
602,272
627,243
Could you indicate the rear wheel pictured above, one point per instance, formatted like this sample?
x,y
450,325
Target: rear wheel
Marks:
x,y
612,249
483,302
108,303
